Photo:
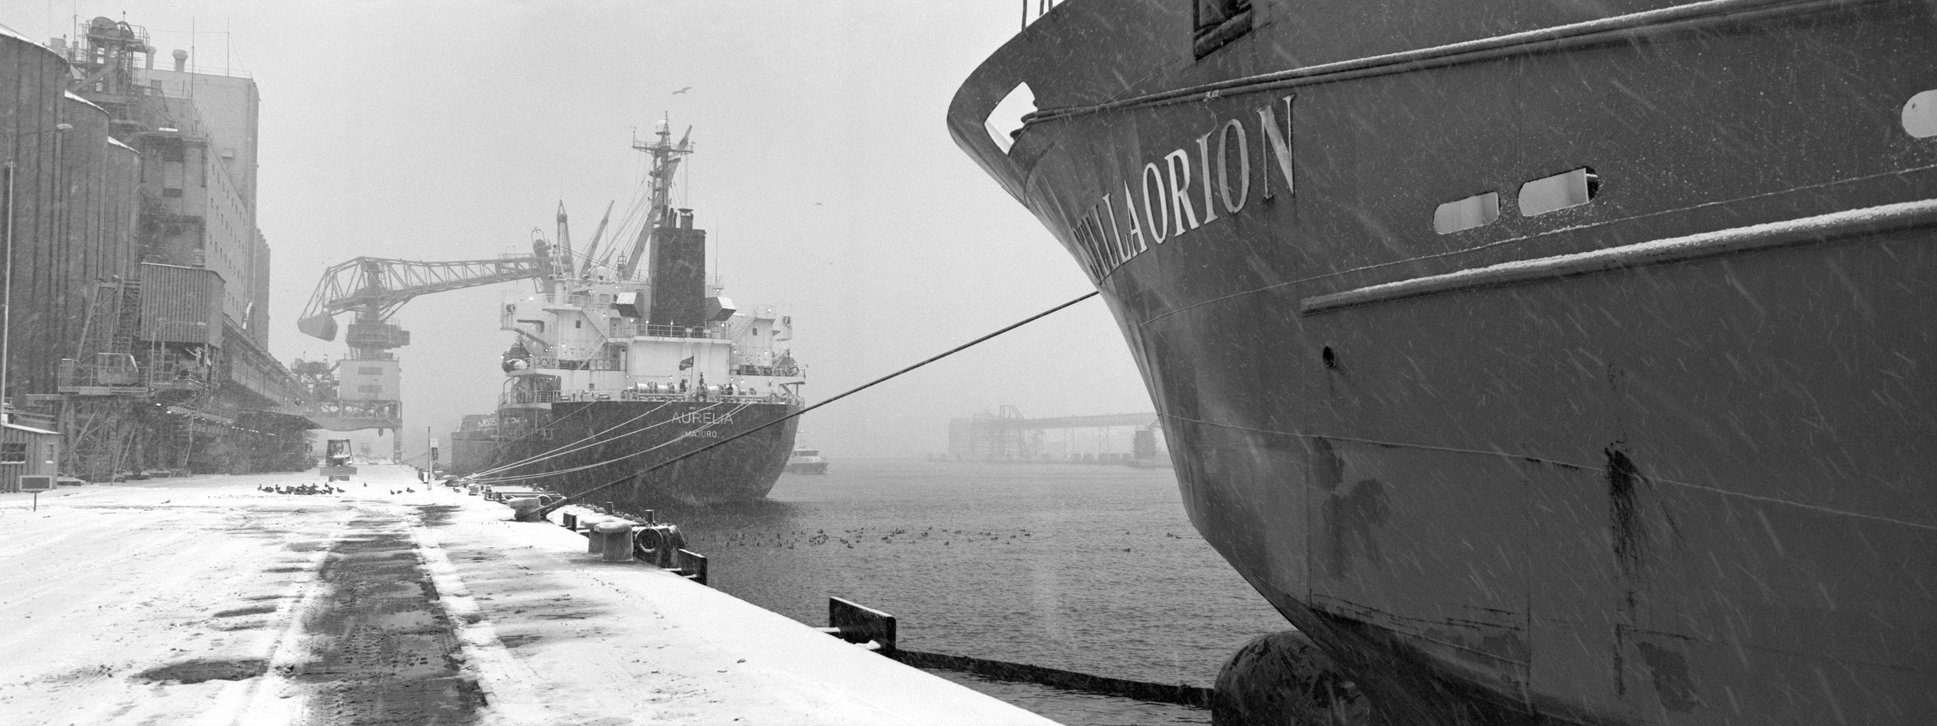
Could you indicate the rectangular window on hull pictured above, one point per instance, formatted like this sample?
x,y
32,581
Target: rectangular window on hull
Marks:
x,y
1478,210
1560,191
1219,22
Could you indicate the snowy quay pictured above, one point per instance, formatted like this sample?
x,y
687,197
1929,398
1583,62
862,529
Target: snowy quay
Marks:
x,y
210,600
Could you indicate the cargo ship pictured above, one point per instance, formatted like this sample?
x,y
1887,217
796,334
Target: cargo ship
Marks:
x,y
1550,362
613,373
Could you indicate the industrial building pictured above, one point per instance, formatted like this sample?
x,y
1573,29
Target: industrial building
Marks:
x,y
137,280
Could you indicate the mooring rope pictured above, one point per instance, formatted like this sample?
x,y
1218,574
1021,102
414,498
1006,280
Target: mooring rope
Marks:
x,y
534,431
641,452
567,448
548,509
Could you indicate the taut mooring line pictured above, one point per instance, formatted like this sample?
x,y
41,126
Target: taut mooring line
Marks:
x,y
545,511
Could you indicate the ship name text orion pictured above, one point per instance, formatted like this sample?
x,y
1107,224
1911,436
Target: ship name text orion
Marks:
x,y
1161,207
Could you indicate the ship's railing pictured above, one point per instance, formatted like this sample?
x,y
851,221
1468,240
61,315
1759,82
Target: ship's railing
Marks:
x,y
573,364
713,393
794,370
664,331
1033,10
518,396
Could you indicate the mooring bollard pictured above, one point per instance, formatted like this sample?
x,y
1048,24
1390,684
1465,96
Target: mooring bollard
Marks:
x,y
569,520
692,566
593,543
615,540
658,544
521,509
861,625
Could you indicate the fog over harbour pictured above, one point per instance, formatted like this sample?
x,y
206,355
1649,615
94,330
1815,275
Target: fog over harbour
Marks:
x,y
450,131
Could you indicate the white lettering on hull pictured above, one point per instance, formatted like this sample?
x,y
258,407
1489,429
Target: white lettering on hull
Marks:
x,y
1160,208
704,418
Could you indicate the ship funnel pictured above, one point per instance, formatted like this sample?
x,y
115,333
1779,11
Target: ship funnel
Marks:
x,y
181,60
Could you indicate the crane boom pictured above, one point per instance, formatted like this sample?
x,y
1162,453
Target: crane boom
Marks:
x,y
592,250
375,287
564,250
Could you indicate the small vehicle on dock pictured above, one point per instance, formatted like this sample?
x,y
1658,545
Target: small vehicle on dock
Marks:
x,y
336,461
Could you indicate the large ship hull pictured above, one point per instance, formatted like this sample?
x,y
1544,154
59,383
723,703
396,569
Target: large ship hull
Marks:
x,y
574,447
1658,456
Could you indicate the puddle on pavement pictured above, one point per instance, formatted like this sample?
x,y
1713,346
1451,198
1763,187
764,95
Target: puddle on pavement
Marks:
x,y
437,515
251,610
198,671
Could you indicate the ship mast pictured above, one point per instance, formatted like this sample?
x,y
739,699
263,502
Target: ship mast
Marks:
x,y
665,161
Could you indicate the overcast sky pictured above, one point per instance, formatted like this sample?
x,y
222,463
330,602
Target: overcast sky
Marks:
x,y
450,130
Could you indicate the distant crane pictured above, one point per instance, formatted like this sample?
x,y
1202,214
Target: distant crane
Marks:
x,y
373,288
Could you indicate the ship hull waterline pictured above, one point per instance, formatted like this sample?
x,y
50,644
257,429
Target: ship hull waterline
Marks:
x,y
576,446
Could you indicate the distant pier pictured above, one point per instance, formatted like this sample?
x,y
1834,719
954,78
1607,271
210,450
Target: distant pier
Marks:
x,y
1121,438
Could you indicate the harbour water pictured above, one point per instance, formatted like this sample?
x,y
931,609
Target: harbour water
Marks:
x,y
1089,568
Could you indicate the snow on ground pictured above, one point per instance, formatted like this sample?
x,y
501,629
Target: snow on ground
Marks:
x,y
206,600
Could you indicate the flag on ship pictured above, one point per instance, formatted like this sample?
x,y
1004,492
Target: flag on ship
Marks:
x,y
685,364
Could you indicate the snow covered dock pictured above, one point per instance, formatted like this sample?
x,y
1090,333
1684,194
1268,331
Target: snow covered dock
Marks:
x,y
206,600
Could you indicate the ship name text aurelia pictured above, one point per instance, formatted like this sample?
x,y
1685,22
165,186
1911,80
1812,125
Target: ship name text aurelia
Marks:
x,y
1174,189
708,418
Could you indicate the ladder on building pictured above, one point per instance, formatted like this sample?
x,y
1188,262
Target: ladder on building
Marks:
x,y
102,383
104,363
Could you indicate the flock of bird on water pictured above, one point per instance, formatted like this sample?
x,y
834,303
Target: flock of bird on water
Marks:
x,y
848,538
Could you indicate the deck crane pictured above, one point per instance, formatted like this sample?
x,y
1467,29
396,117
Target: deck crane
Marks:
x,y
374,288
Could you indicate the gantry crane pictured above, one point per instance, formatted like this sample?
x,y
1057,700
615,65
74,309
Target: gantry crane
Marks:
x,y
373,288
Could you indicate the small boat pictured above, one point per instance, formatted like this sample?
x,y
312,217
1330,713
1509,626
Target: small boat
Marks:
x,y
806,461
